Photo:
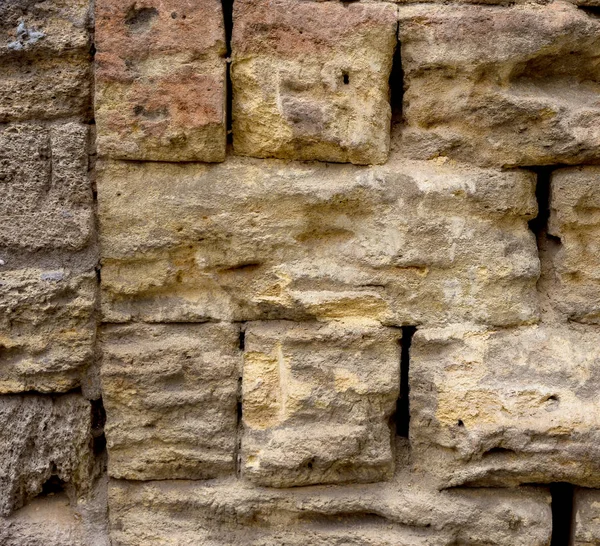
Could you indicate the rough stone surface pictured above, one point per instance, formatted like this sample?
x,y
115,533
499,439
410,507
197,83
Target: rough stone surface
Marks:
x,y
47,329
317,400
501,86
310,80
398,513
44,59
575,219
160,80
586,520
502,407
45,193
42,437
409,242
170,393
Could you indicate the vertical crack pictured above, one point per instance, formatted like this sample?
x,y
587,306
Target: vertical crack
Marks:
x,y
239,423
98,422
397,83
227,6
539,225
403,403
562,514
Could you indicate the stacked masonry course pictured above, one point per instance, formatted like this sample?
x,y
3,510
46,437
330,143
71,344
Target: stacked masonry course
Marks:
x,y
290,272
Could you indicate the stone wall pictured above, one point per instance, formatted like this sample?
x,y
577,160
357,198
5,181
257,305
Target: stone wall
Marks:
x,y
299,272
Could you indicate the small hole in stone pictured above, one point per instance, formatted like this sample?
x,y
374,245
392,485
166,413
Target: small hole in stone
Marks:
x,y
173,15
183,16
346,77
460,423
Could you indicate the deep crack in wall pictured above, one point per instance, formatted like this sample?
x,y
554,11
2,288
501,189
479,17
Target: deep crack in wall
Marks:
x,y
288,272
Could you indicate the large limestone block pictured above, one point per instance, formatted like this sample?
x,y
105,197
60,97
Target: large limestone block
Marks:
x,y
575,219
310,80
501,86
317,400
399,513
586,523
160,80
408,242
170,393
47,329
43,437
45,194
44,59
502,407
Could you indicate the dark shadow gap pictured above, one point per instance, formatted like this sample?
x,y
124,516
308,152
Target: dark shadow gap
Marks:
x,y
239,408
397,85
539,225
228,23
593,11
403,404
53,486
562,513
98,422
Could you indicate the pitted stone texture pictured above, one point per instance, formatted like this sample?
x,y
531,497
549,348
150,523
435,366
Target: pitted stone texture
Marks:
x,y
160,80
501,86
310,79
508,406
400,513
317,399
47,329
405,243
586,505
44,59
45,194
41,437
170,393
575,219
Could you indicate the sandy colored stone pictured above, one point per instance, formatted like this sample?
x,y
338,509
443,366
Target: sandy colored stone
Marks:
x,y
404,512
310,80
503,407
586,521
408,242
45,61
501,86
575,220
317,401
47,329
160,80
170,393
41,437
45,192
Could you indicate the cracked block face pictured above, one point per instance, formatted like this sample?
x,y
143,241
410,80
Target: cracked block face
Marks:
x,y
47,329
501,85
404,243
170,393
160,80
317,399
45,194
310,80
45,61
586,522
499,408
575,219
41,437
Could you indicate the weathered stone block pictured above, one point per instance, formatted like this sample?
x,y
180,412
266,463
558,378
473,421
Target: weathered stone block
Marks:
x,y
310,80
586,504
403,512
47,329
507,406
41,437
317,399
45,194
575,219
44,59
160,80
501,86
405,243
170,393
